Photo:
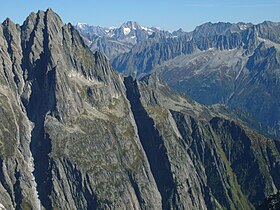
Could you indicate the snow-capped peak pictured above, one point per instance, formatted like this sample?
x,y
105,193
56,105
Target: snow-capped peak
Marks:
x,y
82,25
112,27
131,24
149,30
129,31
243,27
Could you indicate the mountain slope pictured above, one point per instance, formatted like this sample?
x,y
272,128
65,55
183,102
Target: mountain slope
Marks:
x,y
75,134
245,82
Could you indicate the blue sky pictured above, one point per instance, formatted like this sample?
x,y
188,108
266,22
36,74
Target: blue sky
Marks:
x,y
167,14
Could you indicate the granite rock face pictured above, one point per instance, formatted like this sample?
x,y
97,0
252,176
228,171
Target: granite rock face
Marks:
x,y
75,134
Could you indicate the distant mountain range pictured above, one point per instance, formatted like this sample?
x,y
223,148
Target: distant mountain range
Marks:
x,y
132,33
114,41
232,64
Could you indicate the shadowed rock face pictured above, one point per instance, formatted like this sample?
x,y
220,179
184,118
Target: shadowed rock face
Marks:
x,y
77,135
153,145
272,202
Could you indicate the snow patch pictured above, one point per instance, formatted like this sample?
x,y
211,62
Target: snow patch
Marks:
x,y
243,27
146,29
261,39
82,25
126,31
82,79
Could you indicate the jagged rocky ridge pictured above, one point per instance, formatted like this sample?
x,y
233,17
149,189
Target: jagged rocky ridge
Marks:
x,y
219,36
75,134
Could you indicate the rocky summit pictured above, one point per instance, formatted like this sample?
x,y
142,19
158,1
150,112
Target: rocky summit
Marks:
x,y
75,134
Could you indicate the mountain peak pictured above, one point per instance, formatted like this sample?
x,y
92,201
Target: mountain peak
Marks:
x,y
49,10
131,24
208,29
7,21
179,32
48,16
82,26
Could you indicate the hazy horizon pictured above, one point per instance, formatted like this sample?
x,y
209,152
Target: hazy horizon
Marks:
x,y
166,14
